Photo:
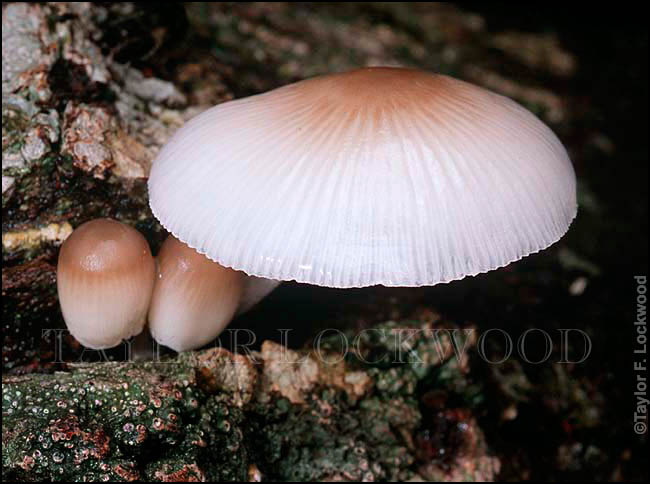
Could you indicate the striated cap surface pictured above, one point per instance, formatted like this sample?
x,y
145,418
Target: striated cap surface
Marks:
x,y
381,175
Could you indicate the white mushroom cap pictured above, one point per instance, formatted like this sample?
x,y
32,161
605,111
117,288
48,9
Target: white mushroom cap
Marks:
x,y
376,176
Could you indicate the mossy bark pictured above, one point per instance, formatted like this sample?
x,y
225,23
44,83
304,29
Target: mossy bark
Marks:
x,y
276,414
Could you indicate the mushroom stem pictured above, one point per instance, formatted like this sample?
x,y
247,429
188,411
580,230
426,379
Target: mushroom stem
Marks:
x,y
142,347
255,289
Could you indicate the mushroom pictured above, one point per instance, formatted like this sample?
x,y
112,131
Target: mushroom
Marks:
x,y
380,175
193,299
105,276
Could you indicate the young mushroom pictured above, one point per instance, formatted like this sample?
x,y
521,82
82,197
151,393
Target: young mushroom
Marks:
x,y
193,299
105,276
380,175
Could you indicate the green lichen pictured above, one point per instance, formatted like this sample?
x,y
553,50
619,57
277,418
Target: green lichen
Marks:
x,y
334,438
171,421
116,422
